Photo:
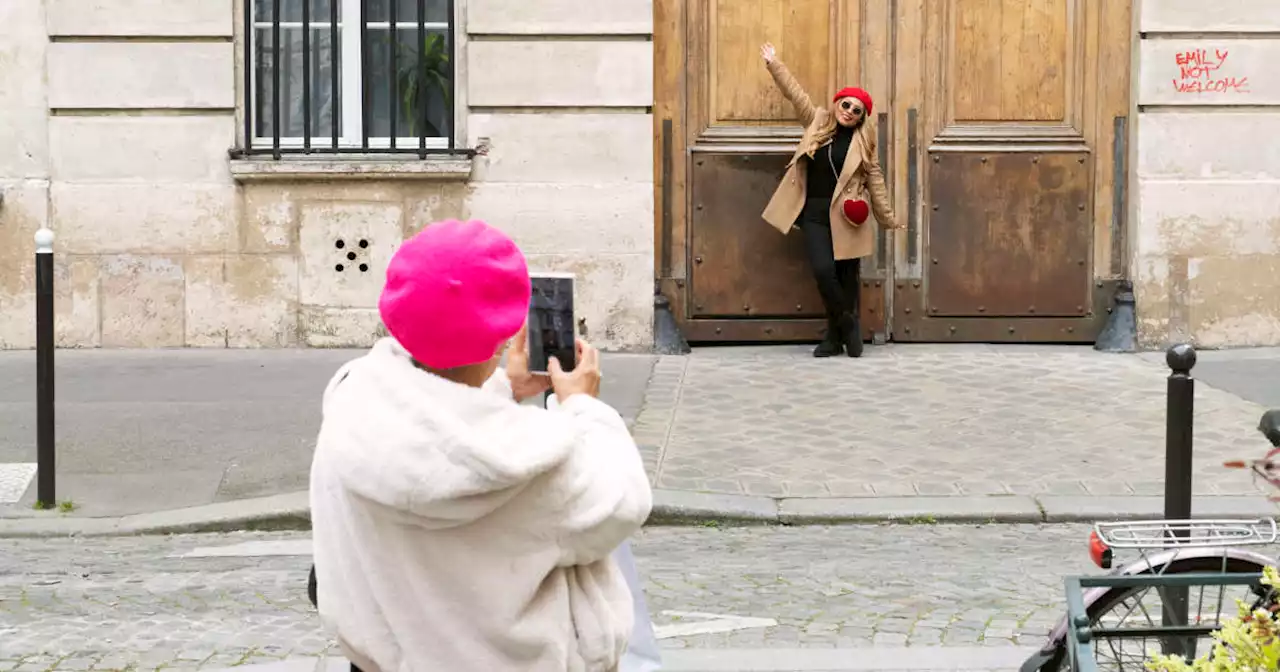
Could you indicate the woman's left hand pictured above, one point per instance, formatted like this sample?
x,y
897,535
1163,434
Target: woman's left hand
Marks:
x,y
524,384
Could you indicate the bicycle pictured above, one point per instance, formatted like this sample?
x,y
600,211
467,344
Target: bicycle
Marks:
x,y
1166,548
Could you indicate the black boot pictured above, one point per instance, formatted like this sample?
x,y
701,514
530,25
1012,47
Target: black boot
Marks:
x,y
851,334
850,272
831,342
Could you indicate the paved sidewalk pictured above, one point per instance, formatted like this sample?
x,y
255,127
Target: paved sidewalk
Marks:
x,y
985,432
943,421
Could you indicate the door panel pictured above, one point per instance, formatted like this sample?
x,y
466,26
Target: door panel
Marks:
x,y
1010,235
1009,68
749,273
744,92
731,96
1010,60
741,268
1012,130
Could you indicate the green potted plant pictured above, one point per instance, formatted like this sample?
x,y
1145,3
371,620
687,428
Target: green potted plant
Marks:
x,y
1249,643
417,83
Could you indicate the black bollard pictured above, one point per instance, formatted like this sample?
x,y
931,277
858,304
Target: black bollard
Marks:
x,y
1179,418
46,457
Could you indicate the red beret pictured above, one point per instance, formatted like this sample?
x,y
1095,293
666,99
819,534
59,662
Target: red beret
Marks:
x,y
854,92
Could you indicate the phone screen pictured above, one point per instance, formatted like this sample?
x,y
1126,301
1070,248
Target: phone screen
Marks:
x,y
551,332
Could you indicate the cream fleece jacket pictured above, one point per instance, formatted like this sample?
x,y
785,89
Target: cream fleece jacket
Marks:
x,y
455,530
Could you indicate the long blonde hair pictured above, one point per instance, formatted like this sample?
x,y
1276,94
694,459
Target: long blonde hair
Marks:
x,y
865,131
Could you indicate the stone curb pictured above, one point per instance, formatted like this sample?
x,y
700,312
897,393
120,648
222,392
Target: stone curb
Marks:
x,y
278,512
675,507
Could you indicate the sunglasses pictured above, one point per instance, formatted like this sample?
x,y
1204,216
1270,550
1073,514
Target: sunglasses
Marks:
x,y
847,106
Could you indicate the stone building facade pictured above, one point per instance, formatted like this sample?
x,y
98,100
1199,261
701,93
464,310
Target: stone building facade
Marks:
x,y
1205,242
117,123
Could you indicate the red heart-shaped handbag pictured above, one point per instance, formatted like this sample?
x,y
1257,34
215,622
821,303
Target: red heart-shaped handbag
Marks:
x,y
855,210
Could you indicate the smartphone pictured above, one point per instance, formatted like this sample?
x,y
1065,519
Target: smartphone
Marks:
x,y
551,323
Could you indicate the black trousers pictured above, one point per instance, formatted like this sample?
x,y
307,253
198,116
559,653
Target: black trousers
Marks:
x,y
837,280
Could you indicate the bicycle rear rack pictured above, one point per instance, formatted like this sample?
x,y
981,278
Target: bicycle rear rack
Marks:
x,y
1162,534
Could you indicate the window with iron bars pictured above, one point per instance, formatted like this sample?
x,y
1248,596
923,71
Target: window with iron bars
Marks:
x,y
349,76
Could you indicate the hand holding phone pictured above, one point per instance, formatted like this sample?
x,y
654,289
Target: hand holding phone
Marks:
x,y
524,383
585,377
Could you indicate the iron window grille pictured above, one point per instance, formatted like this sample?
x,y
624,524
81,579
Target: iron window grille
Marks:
x,y
349,77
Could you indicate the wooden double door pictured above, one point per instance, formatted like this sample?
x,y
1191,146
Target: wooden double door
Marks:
x,y
1002,131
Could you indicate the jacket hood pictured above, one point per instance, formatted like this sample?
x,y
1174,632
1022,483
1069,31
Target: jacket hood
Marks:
x,y
444,453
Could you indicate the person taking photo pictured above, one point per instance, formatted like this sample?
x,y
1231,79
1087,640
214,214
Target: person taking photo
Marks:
x,y
455,528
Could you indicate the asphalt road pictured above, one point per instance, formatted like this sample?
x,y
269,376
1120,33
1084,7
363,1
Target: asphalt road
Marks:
x,y
153,430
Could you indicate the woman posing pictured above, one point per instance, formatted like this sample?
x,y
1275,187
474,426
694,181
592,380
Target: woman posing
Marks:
x,y
832,186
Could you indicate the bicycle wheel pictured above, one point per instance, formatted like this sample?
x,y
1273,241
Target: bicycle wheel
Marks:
x,y
1117,606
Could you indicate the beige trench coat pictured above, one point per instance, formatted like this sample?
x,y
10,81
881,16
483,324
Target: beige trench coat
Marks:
x,y
859,178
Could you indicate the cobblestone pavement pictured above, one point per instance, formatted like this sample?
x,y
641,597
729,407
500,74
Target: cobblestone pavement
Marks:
x,y
124,603
930,420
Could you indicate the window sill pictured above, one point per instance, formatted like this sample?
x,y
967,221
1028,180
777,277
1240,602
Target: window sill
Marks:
x,y
436,167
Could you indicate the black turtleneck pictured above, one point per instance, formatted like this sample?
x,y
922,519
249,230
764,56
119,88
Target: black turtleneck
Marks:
x,y
822,180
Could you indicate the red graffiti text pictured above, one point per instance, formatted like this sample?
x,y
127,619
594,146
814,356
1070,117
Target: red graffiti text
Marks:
x,y
1198,72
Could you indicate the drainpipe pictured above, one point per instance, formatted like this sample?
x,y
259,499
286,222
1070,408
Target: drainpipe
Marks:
x,y
1121,331
667,339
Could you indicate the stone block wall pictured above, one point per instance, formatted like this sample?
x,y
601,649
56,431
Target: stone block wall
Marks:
x,y
1205,245
24,175
561,91
115,125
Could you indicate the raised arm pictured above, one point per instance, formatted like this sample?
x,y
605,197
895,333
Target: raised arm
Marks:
x,y
787,83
